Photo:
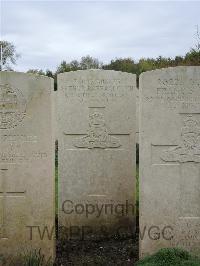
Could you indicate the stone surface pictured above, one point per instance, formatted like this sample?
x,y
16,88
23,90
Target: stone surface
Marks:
x,y
170,159
137,116
55,119
26,164
97,124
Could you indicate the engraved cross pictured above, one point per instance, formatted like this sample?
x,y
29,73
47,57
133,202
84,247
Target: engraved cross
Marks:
x,y
97,141
187,156
4,194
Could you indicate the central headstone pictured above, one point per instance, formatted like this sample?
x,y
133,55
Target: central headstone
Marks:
x,y
96,144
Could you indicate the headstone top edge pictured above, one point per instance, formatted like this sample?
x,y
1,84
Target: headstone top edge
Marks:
x,y
168,69
95,70
38,76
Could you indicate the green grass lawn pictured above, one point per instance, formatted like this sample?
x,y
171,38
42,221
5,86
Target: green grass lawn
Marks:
x,y
137,189
170,257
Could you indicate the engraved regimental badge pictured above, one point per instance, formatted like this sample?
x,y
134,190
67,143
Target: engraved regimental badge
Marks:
x,y
12,106
189,148
97,136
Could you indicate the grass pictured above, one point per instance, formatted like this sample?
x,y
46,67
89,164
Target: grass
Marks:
x,y
56,190
170,257
27,258
56,179
137,189
35,258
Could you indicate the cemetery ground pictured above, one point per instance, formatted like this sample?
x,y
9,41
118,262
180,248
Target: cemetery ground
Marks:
x,y
116,251
170,257
123,250
105,252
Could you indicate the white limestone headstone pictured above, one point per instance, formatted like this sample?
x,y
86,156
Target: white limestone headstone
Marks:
x,y
26,165
170,159
137,116
96,144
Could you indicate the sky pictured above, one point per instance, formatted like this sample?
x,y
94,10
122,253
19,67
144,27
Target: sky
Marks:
x,y
47,32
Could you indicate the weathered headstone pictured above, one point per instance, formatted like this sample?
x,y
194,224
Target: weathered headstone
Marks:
x,y
55,118
96,143
137,116
26,165
170,159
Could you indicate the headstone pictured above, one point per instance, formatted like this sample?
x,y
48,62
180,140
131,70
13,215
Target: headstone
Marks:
x,y
55,118
96,147
137,116
26,165
170,159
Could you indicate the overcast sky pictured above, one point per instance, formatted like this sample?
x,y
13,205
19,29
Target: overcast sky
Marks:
x,y
47,32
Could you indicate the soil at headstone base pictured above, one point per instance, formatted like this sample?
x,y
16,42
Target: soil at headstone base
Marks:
x,y
117,251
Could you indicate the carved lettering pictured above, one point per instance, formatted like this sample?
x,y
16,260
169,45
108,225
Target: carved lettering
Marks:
x,y
12,107
108,90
